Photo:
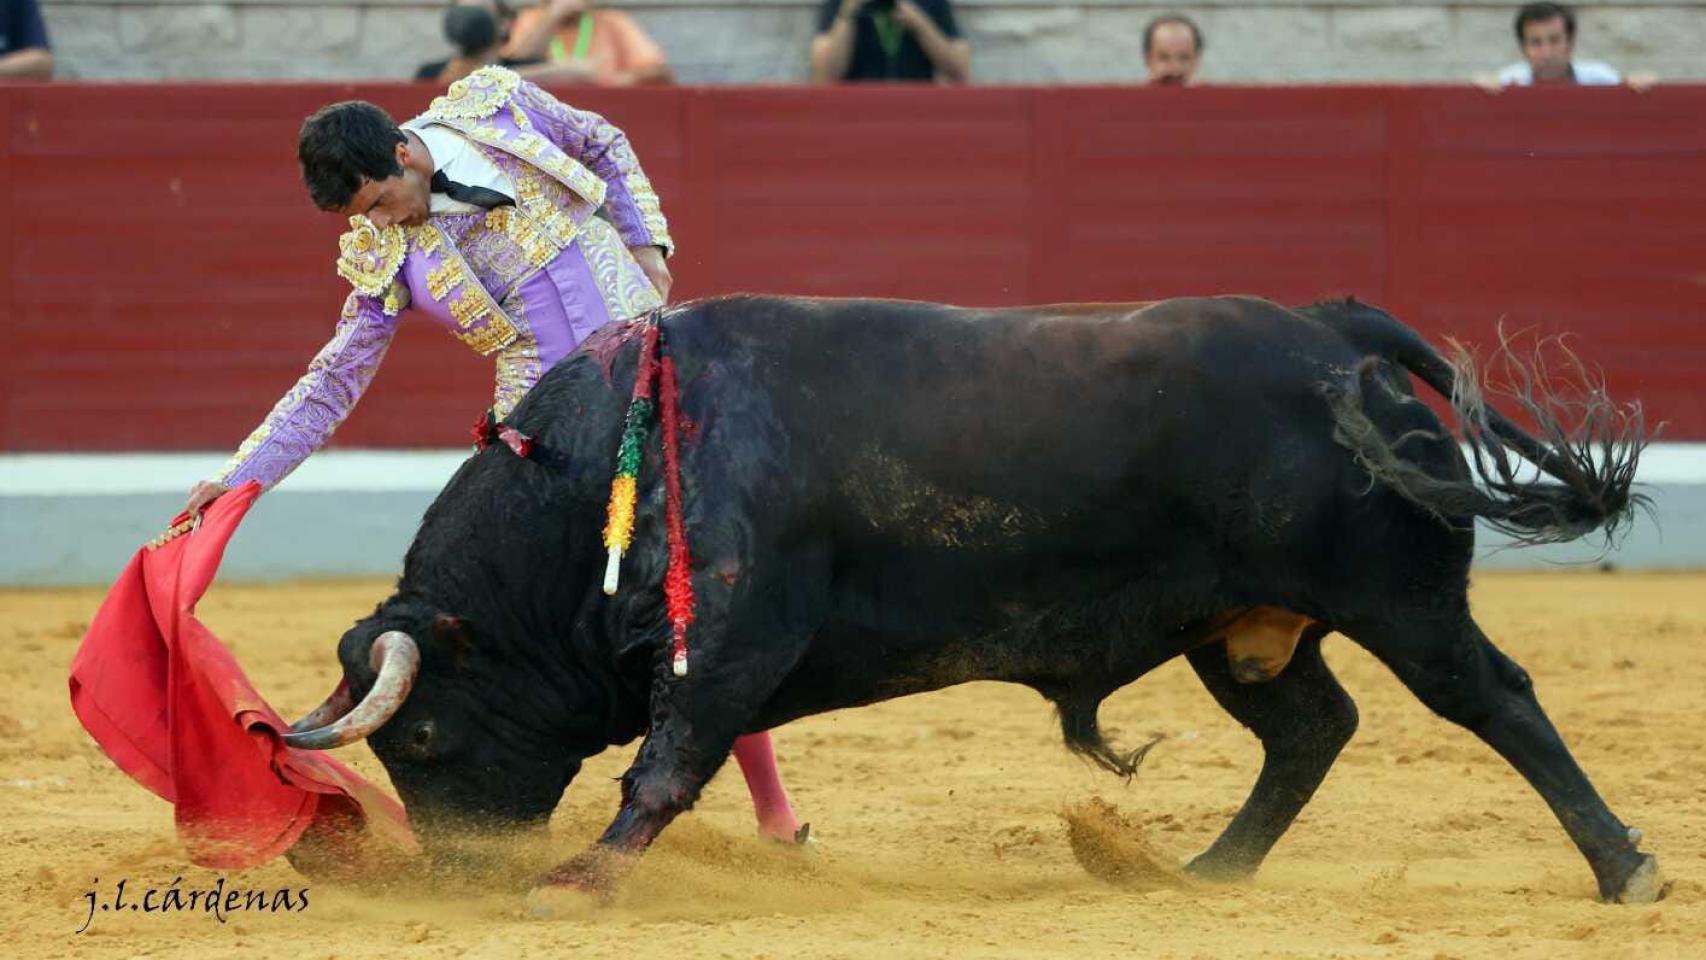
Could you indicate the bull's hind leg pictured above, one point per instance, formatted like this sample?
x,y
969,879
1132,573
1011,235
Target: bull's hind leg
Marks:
x,y
1303,718
1451,666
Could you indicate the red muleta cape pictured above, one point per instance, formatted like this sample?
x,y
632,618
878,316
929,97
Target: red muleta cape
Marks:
x,y
169,704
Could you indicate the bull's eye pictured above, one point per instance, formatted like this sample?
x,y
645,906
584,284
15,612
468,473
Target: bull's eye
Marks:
x,y
420,738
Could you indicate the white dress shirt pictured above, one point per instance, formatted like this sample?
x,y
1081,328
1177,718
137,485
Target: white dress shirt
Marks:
x,y
1588,73
460,160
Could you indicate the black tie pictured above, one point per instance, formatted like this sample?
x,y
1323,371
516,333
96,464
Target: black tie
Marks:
x,y
478,196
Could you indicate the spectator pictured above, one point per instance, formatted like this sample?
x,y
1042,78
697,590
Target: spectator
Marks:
x,y
24,52
586,42
477,29
864,40
1546,34
1172,50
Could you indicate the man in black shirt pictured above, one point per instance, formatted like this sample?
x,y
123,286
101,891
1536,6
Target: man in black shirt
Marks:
x,y
24,53
888,40
478,30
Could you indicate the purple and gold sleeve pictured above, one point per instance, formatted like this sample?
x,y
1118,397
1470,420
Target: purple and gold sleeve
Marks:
x,y
301,422
602,148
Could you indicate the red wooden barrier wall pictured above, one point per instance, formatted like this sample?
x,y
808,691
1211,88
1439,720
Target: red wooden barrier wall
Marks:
x,y
163,277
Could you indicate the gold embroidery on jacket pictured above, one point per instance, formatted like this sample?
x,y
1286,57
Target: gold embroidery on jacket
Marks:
x,y
396,298
518,364
444,278
427,239
369,257
536,150
478,95
481,323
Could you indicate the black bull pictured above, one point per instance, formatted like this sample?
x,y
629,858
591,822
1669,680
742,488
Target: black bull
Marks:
x,y
886,498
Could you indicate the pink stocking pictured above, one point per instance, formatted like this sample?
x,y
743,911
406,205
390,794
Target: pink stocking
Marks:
x,y
769,798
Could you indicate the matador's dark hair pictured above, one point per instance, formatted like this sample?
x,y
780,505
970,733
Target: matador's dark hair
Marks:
x,y
343,143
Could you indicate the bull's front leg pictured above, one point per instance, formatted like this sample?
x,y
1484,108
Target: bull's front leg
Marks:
x,y
747,637
685,748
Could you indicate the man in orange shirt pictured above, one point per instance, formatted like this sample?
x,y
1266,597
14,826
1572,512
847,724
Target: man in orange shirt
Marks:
x,y
590,42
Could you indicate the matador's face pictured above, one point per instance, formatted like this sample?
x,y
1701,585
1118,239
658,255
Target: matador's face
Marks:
x,y
400,200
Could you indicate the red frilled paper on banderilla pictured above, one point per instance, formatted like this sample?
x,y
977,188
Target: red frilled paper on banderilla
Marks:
x,y
169,704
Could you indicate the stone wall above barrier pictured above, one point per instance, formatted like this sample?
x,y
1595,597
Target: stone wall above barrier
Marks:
x,y
764,41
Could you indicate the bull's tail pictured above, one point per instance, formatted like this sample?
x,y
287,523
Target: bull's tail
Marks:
x,y
1587,449
1083,735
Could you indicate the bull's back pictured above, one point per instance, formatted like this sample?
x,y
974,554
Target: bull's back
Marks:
x,y
967,428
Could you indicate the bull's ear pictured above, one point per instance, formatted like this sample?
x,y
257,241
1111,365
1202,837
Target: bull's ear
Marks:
x,y
453,635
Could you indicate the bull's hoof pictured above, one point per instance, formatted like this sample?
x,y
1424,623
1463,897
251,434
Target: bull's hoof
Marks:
x,y
557,902
584,882
577,887
1217,869
1645,885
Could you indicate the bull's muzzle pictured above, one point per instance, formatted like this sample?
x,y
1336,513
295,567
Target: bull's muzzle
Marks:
x,y
336,722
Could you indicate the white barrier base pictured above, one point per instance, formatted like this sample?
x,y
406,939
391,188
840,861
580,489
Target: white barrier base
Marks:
x,y
70,519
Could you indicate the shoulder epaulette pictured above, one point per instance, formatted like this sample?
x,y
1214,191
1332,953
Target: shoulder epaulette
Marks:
x,y
369,257
476,96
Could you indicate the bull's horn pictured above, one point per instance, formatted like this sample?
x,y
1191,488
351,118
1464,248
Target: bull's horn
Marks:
x,y
397,659
336,705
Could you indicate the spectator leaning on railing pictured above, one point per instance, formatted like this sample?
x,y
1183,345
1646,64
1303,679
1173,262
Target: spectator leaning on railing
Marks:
x,y
24,51
1546,34
1172,50
587,42
889,40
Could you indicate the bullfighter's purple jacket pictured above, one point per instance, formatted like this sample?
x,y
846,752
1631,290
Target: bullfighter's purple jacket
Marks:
x,y
522,285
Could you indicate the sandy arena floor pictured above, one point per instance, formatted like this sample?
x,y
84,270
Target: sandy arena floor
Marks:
x,y
941,816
